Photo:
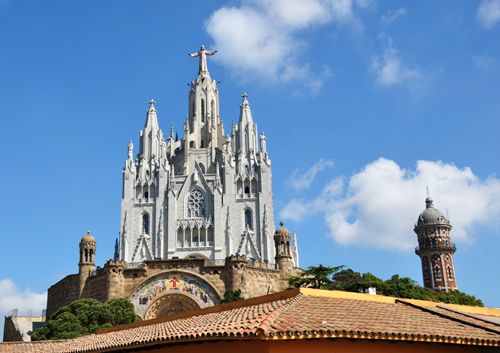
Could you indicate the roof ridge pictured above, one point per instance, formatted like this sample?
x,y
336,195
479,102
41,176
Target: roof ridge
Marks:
x,y
469,315
263,329
449,317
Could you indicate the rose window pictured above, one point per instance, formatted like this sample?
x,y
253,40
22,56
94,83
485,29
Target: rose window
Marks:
x,y
196,204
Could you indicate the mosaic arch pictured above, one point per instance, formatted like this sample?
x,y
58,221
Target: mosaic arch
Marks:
x,y
172,292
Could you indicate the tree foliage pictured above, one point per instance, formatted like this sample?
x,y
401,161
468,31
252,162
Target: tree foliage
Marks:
x,y
341,278
315,277
85,316
232,296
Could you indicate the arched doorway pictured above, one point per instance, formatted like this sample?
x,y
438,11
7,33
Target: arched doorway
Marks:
x,y
173,292
170,304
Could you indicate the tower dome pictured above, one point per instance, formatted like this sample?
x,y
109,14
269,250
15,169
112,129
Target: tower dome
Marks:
x,y
431,215
88,238
282,234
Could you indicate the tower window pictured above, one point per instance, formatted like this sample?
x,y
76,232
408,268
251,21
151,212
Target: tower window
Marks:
x,y
437,272
212,108
202,144
247,190
450,274
191,144
202,110
434,242
145,223
248,219
146,195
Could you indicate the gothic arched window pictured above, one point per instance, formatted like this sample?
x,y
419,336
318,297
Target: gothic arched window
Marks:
x,y
145,223
202,110
196,204
248,219
212,108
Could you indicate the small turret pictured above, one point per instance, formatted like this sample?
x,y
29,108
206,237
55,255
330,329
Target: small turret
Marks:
x,y
283,255
87,258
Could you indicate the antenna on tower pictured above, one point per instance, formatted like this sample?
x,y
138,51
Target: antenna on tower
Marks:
x,y
447,215
427,189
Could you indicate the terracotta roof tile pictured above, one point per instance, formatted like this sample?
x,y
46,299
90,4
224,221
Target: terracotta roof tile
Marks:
x,y
292,314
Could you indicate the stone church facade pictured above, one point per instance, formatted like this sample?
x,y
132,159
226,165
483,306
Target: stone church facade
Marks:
x,y
197,217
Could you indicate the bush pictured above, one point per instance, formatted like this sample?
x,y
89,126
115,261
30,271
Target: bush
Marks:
x,y
85,316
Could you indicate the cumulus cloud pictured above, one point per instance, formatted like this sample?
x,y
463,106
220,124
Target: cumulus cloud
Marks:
x,y
261,38
488,13
390,70
303,180
379,205
11,297
391,16
25,301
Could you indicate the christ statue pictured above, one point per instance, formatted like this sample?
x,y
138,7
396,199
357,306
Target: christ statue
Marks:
x,y
202,53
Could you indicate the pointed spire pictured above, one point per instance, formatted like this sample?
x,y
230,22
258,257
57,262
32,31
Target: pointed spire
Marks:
x,y
295,250
130,150
172,132
245,112
116,256
152,118
152,105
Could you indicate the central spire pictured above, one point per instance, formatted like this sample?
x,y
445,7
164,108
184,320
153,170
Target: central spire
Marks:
x,y
202,53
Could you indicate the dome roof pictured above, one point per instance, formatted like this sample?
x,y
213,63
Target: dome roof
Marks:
x,y
88,238
282,233
431,215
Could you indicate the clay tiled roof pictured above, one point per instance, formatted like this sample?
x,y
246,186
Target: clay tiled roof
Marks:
x,y
294,314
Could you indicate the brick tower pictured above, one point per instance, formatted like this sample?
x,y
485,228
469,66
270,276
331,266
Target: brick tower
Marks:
x,y
435,249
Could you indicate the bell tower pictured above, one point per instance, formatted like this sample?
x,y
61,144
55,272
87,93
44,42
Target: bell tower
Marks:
x,y
87,259
435,249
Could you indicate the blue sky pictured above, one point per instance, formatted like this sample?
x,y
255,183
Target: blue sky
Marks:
x,y
364,103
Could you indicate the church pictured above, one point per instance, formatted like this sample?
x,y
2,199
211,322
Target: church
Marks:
x,y
197,219
197,216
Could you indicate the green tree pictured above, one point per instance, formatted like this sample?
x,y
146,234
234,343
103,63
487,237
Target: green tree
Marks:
x,y
346,279
85,316
232,296
315,277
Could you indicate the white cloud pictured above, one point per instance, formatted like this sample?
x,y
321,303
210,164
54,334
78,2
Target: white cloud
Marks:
x,y
260,38
484,62
390,70
488,13
391,16
25,301
379,205
11,297
301,181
